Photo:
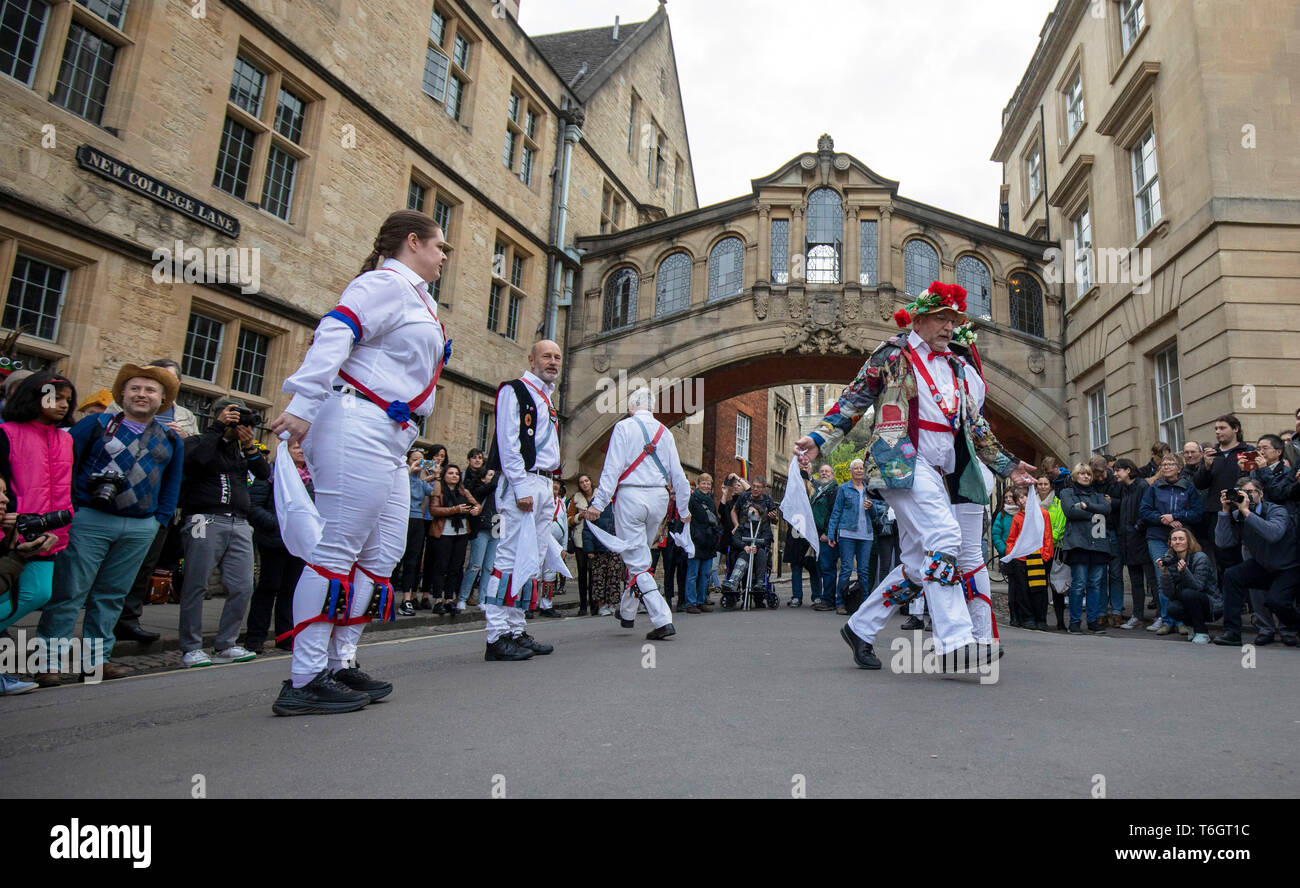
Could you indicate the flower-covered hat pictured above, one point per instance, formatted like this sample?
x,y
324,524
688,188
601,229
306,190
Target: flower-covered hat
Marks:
x,y
937,297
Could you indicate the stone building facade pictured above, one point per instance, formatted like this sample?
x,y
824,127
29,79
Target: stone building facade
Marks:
x,y
1154,142
262,143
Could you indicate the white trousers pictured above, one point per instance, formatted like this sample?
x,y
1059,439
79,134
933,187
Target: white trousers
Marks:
x,y
356,456
508,591
638,512
925,524
970,557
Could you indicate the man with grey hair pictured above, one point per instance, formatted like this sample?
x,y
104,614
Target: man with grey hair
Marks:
x,y
216,531
641,466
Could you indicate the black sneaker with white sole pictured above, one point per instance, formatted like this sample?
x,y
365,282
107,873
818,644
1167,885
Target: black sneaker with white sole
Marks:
x,y
322,695
357,680
524,640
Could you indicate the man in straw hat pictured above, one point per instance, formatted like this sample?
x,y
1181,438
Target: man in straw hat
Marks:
x,y
125,483
927,443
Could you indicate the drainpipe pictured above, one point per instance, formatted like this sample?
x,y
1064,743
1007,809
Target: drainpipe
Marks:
x,y
572,135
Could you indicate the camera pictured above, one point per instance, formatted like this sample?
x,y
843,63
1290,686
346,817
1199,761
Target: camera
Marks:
x,y
32,525
1238,497
250,418
1169,559
103,488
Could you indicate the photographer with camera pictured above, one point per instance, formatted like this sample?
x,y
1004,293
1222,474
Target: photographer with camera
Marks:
x,y
126,479
1189,581
1275,477
36,465
1265,534
215,503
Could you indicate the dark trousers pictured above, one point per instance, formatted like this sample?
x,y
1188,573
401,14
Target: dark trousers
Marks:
x,y
1036,597
275,584
1280,588
674,574
1058,607
1224,559
444,563
133,607
584,574
1194,609
1142,580
1018,592
417,529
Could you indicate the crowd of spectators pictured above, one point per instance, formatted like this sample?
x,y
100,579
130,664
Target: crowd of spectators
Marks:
x,y
109,500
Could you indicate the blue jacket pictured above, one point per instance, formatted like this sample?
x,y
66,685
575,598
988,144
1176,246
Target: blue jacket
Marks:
x,y
1267,534
848,513
160,457
1179,499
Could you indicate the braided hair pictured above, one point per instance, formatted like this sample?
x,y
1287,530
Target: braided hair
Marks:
x,y
393,233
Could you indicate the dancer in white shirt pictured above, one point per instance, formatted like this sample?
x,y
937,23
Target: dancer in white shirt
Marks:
x,y
526,450
373,365
641,465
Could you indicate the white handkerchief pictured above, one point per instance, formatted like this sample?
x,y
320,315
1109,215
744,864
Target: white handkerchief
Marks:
x,y
1031,532
555,558
796,509
609,541
301,526
683,539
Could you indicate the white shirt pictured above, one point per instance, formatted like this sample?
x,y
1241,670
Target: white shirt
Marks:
x,y
936,448
395,355
546,437
626,443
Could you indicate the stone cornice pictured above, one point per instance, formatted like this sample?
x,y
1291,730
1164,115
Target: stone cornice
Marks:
x,y
1129,97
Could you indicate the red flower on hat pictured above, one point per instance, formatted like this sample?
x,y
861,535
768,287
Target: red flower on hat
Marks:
x,y
902,318
938,289
948,300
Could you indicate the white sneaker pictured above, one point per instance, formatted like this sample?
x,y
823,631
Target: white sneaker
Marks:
x,y
1133,623
1156,624
605,610
234,654
1200,638
195,658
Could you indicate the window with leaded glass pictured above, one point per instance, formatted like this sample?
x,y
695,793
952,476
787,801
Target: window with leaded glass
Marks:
x,y
494,308
455,96
780,258
526,165
247,86
289,115
442,215
111,11
1074,105
35,298
726,268
512,316
1026,299
522,115
1082,225
673,284
434,81
234,159
277,191
1146,182
202,348
782,411
973,276
460,52
517,271
868,253
22,27
920,266
85,73
416,195
250,362
1098,433
824,236
1132,18
1169,396
620,300
483,440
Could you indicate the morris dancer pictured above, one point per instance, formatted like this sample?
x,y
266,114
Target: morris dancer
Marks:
x,y
374,362
920,458
641,465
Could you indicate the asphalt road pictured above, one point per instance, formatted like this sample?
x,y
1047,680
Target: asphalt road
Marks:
x,y
752,704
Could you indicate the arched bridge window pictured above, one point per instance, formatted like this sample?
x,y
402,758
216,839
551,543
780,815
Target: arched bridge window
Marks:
x,y
673,284
824,236
920,267
726,268
1026,297
620,299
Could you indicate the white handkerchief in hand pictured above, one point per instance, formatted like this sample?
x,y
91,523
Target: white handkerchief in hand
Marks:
x,y
609,541
796,509
1031,532
301,526
555,558
683,539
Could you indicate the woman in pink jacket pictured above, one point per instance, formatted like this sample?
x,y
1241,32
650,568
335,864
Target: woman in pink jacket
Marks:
x,y
36,464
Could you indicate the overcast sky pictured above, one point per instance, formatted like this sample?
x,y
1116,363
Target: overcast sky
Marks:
x,y
926,84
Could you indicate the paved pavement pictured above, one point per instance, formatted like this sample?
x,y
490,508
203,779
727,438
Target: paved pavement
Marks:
x,y
738,704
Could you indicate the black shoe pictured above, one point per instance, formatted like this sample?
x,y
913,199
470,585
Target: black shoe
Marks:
x,y
1264,638
1075,629
913,623
505,648
357,680
286,645
1290,639
863,654
425,603
524,640
1098,628
627,624
1040,625
664,631
552,612
439,608
322,695
970,657
1229,638
133,632
582,611
823,606
406,608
